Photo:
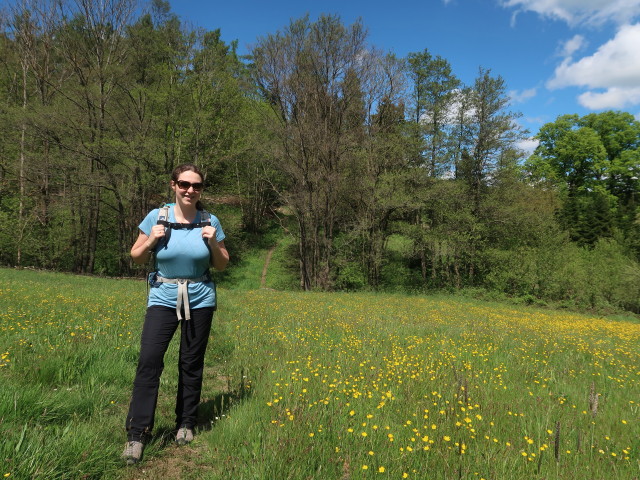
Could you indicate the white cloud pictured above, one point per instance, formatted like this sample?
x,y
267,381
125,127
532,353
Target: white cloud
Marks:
x,y
534,120
528,145
616,63
522,96
614,68
614,97
574,12
571,46
452,115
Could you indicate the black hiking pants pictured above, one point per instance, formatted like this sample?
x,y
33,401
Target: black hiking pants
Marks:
x,y
160,324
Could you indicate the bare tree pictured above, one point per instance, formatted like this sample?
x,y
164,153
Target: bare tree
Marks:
x,y
315,76
31,25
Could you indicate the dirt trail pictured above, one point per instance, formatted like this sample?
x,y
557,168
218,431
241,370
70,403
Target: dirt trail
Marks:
x,y
172,461
263,280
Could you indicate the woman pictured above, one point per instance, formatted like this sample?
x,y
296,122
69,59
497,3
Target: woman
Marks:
x,y
182,293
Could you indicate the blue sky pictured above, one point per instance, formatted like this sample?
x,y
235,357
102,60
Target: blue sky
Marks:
x,y
556,56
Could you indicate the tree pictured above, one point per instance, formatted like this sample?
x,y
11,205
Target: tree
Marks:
x,y
619,133
594,162
32,27
493,130
311,75
96,111
481,134
381,176
92,44
433,93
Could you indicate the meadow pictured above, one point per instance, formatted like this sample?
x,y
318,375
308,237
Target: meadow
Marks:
x,y
321,386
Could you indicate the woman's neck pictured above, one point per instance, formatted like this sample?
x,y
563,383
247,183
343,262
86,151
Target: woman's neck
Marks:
x,y
184,214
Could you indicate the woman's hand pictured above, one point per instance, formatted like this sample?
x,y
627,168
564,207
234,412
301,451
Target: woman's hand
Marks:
x,y
141,250
157,232
209,233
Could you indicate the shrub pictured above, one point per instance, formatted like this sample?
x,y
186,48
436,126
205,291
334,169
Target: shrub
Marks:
x,y
604,277
350,276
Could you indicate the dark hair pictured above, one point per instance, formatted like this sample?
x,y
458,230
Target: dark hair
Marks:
x,y
188,167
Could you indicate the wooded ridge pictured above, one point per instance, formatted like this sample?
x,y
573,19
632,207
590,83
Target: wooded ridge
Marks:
x,y
390,173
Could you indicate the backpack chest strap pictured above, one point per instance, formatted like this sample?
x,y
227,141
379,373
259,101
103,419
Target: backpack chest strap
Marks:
x,y
183,226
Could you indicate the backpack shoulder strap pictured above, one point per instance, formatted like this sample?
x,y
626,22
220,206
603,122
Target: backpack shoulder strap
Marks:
x,y
205,221
163,219
163,215
205,218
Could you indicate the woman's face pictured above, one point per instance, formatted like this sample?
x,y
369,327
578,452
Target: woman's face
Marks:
x,y
188,188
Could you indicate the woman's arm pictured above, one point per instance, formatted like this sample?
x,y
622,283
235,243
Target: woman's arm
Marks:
x,y
219,254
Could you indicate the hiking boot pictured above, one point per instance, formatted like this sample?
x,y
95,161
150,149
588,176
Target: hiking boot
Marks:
x,y
133,452
184,436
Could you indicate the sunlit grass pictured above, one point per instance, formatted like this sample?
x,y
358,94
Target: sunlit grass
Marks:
x,y
339,386
421,388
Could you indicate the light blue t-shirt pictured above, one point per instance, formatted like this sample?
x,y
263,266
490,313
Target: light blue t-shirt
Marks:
x,y
185,255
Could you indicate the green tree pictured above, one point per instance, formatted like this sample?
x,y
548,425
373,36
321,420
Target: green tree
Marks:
x,y
31,38
92,45
492,130
433,94
594,162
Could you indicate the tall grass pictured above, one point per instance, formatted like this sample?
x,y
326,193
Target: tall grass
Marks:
x,y
311,385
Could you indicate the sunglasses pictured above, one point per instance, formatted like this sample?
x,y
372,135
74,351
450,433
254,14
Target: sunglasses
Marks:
x,y
184,185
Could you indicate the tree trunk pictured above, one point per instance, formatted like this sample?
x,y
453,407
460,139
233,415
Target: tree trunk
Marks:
x,y
21,173
303,252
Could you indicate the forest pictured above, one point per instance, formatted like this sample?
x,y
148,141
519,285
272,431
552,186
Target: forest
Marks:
x,y
385,173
